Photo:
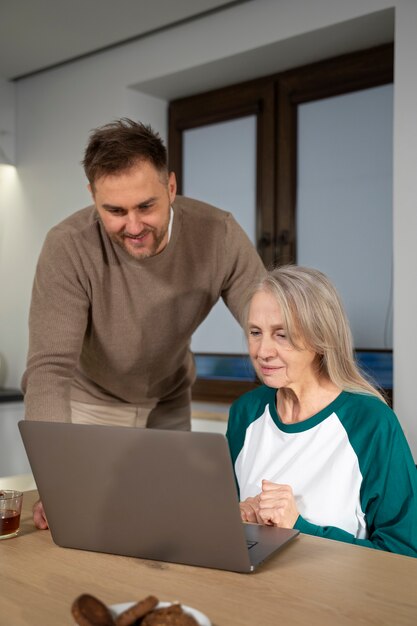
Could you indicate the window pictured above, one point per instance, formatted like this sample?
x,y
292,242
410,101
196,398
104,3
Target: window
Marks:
x,y
274,102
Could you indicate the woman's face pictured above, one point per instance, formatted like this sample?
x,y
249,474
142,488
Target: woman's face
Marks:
x,y
276,361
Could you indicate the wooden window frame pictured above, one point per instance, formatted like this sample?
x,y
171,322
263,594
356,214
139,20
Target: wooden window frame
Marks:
x,y
333,77
252,98
210,389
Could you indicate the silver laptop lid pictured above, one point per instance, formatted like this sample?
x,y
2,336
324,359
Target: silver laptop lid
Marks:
x,y
155,494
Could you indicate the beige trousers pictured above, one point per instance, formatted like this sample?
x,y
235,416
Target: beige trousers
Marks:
x,y
170,415
108,414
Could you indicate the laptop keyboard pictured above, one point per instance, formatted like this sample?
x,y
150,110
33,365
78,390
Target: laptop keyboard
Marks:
x,y
250,544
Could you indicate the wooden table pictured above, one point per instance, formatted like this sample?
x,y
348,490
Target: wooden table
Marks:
x,y
312,581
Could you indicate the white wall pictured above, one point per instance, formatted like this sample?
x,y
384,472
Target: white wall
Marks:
x,y
56,109
405,218
7,121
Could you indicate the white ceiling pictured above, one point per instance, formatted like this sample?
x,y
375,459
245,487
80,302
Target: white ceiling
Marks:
x,y
367,31
37,34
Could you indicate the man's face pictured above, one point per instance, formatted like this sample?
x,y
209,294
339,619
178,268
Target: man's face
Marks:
x,y
134,207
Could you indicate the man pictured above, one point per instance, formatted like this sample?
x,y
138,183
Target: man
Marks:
x,y
121,286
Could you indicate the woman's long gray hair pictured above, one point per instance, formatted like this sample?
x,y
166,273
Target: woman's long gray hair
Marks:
x,y
314,317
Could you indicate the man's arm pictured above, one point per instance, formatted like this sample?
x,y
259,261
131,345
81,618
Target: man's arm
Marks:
x,y
57,324
243,267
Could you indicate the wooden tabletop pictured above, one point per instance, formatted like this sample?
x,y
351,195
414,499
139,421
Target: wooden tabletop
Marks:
x,y
311,582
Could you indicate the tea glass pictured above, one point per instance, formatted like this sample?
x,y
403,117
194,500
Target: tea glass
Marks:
x,y
10,509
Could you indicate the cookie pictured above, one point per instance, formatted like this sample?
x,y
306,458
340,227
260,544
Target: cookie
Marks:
x,y
138,610
89,611
172,615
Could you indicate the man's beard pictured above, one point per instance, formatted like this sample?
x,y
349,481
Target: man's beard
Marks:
x,y
149,249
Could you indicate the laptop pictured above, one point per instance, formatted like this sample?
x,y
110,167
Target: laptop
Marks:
x,y
155,494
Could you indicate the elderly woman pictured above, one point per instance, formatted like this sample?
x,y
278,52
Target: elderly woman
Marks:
x,y
316,447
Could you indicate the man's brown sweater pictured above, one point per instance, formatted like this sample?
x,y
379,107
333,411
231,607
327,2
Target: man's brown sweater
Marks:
x,y
106,328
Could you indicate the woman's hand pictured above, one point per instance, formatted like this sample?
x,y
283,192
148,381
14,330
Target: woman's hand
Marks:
x,y
249,510
276,505
39,516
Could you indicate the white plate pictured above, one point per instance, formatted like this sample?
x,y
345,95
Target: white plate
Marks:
x,y
200,617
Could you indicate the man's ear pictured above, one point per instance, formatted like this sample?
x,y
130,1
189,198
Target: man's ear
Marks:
x,y
172,187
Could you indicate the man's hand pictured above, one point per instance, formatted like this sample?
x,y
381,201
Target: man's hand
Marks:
x,y
39,516
276,505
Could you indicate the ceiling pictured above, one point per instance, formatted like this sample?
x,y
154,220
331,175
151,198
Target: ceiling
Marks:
x,y
360,33
39,34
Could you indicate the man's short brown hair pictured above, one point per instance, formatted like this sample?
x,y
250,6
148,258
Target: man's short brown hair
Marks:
x,y
117,146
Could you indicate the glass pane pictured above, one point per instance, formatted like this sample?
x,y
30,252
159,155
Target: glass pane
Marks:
x,y
220,168
344,204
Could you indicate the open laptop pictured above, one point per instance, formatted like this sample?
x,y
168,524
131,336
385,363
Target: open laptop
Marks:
x,y
154,494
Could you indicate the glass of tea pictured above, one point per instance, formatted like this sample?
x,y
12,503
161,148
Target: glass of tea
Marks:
x,y
10,509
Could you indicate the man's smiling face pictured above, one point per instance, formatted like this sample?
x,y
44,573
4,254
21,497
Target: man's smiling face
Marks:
x,y
134,207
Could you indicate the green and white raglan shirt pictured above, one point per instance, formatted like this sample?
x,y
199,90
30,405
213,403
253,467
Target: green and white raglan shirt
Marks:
x,y
349,466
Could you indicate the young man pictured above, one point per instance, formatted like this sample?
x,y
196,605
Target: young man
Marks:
x,y
121,286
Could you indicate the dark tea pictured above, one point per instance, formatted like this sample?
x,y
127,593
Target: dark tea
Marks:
x,y
9,521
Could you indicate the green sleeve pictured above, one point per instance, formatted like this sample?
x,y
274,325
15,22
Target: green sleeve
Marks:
x,y
235,433
388,498
243,412
331,532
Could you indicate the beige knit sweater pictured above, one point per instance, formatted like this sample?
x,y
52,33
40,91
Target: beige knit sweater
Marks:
x,y
106,328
